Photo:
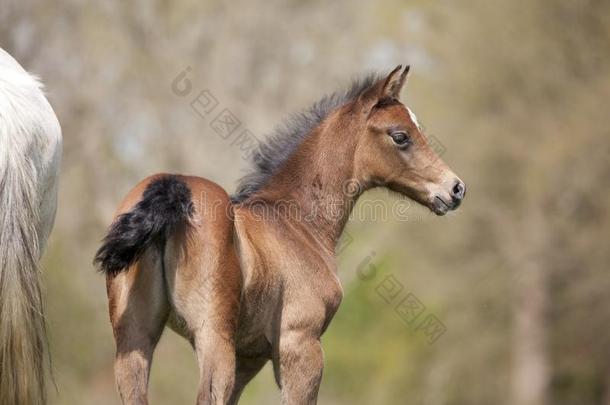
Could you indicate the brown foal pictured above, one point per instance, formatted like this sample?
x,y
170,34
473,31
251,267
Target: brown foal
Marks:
x,y
252,278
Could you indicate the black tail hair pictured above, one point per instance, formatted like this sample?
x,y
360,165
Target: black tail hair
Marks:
x,y
166,203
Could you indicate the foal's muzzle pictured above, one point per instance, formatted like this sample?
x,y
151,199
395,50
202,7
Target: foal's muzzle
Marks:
x,y
457,193
447,201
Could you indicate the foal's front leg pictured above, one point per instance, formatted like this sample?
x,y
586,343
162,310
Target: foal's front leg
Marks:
x,y
301,362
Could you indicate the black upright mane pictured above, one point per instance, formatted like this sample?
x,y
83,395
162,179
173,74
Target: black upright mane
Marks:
x,y
284,140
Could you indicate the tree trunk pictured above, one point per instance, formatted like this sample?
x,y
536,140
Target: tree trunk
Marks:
x,y
530,358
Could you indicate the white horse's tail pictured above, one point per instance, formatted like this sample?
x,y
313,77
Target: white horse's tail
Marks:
x,y
30,142
22,326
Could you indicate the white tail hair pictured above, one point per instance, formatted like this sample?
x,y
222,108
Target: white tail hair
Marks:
x,y
30,150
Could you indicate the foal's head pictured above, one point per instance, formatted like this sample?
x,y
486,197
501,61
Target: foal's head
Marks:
x,y
392,150
365,134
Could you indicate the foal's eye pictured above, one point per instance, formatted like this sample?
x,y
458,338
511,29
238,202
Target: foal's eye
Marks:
x,y
400,138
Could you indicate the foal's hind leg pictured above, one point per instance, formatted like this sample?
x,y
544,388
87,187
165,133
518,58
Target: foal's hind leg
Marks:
x,y
216,358
138,311
210,314
247,369
205,287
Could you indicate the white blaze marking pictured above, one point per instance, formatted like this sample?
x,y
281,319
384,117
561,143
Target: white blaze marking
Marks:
x,y
413,117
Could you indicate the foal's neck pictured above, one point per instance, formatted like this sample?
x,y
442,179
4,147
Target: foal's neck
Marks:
x,y
318,181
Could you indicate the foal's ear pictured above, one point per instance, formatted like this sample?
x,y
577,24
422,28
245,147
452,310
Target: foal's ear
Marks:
x,y
388,87
394,82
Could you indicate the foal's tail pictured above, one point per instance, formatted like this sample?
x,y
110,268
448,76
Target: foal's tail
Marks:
x,y
22,325
165,205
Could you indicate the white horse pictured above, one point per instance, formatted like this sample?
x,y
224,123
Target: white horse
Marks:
x,y
30,153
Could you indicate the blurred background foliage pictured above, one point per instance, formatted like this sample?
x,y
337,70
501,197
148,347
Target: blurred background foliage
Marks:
x,y
516,91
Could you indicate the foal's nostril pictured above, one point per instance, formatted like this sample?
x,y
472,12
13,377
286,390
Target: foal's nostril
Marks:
x,y
458,190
